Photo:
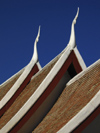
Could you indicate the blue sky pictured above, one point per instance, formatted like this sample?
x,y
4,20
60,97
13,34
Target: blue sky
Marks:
x,y
19,22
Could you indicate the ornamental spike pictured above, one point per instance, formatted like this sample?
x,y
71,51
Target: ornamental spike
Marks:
x,y
72,41
35,54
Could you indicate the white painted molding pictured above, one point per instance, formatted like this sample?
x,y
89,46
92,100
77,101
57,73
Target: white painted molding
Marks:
x,y
79,58
82,115
39,66
23,76
72,41
34,57
11,78
37,93
42,87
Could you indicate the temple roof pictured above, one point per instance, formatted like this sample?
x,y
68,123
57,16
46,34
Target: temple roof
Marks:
x,y
53,98
27,92
73,99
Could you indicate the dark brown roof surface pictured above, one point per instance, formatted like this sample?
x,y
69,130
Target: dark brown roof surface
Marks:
x,y
72,100
27,92
6,87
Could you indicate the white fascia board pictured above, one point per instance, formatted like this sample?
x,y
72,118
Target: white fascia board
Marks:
x,y
39,66
23,76
82,115
11,78
17,84
38,92
8,80
79,58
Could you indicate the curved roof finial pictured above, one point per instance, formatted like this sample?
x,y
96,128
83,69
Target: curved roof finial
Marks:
x,y
72,41
35,54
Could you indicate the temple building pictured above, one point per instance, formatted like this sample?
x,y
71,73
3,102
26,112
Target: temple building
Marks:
x,y
62,97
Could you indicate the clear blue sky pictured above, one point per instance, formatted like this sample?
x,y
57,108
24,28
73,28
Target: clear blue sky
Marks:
x,y
19,22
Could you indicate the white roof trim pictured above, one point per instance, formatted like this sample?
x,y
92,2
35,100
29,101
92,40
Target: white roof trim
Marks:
x,y
39,66
82,115
79,58
42,87
23,76
11,78
37,93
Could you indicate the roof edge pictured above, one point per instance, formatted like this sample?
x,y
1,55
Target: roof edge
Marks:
x,y
79,58
23,76
82,115
37,93
41,88
82,73
11,78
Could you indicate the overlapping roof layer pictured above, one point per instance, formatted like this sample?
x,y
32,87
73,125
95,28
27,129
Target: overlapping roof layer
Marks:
x,y
4,88
53,98
74,97
26,93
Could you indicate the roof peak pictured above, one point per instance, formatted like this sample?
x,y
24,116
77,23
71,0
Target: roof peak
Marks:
x,y
72,41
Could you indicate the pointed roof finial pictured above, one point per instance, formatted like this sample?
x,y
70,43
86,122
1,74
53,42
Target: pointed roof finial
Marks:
x,y
72,41
35,54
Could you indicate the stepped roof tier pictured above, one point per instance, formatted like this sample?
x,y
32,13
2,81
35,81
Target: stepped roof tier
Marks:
x,y
63,96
